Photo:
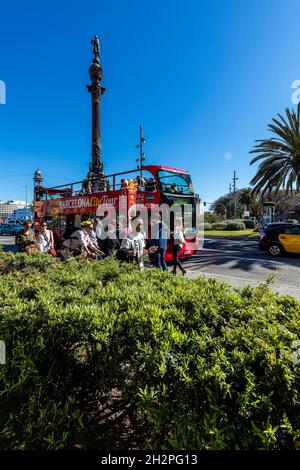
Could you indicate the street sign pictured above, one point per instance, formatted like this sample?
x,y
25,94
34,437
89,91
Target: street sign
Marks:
x,y
268,211
269,204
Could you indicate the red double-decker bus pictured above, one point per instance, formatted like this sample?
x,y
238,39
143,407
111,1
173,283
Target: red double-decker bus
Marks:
x,y
68,205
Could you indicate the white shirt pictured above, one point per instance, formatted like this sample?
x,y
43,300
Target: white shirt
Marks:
x,y
44,241
137,244
79,239
178,236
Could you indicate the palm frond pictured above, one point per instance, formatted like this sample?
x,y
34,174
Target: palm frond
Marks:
x,y
279,156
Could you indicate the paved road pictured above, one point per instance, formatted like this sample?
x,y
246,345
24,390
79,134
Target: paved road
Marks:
x,y
242,263
239,263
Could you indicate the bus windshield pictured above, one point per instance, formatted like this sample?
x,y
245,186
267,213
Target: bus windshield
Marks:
x,y
175,183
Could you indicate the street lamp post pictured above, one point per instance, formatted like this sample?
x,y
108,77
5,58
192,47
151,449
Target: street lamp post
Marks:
x,y
234,179
141,158
26,206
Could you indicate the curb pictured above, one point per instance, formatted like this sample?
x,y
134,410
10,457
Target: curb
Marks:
x,y
232,237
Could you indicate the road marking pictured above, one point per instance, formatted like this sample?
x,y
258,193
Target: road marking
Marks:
x,y
254,259
241,279
221,251
240,257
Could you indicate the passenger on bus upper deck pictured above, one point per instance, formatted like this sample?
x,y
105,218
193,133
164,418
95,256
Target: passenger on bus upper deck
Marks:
x,y
140,182
174,188
150,185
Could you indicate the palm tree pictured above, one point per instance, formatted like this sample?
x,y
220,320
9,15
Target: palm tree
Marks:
x,y
246,198
280,155
222,206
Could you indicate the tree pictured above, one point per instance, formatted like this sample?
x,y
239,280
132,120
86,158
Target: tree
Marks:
x,y
222,206
246,197
210,218
280,155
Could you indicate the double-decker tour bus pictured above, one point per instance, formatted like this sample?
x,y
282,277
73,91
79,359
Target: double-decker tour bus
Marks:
x,y
68,205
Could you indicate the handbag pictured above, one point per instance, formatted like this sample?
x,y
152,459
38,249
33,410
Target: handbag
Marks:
x,y
52,251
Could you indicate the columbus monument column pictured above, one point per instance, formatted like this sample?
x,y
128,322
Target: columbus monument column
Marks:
x,y
98,180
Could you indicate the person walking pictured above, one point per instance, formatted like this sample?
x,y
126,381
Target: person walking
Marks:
x,y
178,242
159,237
45,240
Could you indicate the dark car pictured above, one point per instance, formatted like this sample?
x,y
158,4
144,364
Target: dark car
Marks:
x,y
269,225
282,239
10,229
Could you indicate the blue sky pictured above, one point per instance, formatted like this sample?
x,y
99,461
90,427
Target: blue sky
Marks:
x,y
204,78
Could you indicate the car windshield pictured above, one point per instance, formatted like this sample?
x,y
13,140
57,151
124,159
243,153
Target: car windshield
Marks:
x,y
175,183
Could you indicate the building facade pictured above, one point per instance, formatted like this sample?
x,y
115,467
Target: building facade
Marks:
x,y
7,208
19,215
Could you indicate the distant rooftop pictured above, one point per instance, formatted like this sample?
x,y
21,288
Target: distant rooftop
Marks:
x,y
18,203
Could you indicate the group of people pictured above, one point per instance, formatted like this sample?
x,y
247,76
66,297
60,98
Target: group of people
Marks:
x,y
96,239
141,183
27,241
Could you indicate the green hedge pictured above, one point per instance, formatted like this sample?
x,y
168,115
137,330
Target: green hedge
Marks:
x,y
203,366
228,225
207,226
249,223
219,226
235,226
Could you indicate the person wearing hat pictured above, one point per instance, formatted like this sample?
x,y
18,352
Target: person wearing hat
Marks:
x,y
25,240
79,242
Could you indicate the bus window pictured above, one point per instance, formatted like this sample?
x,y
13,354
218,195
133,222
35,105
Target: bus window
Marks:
x,y
85,217
70,220
77,220
175,183
63,222
144,183
53,222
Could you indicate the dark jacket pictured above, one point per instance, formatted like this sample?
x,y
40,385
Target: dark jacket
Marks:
x,y
24,240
